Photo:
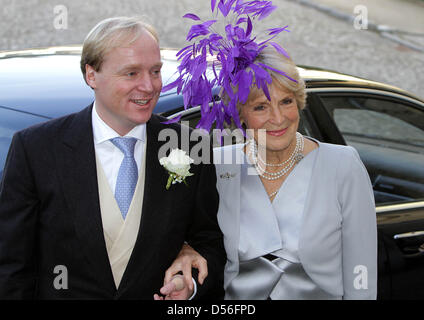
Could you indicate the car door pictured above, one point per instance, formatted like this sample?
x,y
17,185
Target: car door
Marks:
x,y
400,220
387,129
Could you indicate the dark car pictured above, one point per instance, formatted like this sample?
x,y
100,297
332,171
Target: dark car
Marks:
x,y
384,123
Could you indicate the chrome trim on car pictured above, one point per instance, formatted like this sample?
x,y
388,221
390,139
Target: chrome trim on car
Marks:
x,y
400,206
58,50
364,90
185,112
409,235
326,90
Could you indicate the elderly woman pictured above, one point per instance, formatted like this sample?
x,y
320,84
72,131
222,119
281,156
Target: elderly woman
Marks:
x,y
304,227
298,215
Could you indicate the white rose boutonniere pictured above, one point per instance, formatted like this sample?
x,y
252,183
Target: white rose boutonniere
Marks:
x,y
178,165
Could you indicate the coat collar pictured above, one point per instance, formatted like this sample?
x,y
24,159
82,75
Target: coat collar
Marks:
x,y
228,174
229,182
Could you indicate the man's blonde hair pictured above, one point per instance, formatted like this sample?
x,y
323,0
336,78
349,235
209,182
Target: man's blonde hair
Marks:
x,y
109,34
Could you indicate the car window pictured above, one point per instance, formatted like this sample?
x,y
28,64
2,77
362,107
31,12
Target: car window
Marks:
x,y
10,122
389,136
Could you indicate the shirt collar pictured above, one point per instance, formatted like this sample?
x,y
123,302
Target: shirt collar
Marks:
x,y
102,132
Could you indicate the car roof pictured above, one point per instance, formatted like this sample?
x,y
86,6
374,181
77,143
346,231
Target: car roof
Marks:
x,y
48,81
316,77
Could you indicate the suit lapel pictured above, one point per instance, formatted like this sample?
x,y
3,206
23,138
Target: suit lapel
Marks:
x,y
229,182
79,177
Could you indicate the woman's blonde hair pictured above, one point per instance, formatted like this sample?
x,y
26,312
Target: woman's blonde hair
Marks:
x,y
109,34
272,58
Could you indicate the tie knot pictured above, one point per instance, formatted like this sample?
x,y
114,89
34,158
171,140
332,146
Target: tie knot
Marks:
x,y
126,145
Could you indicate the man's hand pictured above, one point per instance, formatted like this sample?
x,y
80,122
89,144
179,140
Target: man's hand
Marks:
x,y
176,289
188,258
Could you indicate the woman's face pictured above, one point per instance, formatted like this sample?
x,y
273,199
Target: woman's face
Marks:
x,y
279,118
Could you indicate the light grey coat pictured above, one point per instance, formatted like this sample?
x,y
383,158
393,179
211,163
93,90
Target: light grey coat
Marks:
x,y
338,236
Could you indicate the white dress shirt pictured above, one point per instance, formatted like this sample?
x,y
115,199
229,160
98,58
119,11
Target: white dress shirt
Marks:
x,y
109,155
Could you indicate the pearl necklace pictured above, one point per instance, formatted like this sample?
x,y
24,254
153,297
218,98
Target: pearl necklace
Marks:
x,y
286,165
293,154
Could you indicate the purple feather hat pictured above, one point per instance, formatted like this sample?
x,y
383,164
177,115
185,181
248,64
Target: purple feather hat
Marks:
x,y
233,65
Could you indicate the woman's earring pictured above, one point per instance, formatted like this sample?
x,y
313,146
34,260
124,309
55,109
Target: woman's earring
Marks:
x,y
243,125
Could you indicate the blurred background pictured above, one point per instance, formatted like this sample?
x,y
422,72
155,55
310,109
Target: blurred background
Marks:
x,y
382,40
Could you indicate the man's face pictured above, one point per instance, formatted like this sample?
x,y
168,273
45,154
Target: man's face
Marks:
x,y
128,84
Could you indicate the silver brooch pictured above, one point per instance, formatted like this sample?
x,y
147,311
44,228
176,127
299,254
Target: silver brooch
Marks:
x,y
227,175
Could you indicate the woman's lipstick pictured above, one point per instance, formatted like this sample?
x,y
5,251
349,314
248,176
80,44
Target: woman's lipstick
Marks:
x,y
276,133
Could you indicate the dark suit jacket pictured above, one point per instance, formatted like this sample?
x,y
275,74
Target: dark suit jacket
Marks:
x,y
50,216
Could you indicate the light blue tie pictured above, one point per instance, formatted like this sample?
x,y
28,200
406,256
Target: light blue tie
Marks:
x,y
127,175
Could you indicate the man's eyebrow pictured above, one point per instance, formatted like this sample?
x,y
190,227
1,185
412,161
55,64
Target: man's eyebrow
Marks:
x,y
129,67
138,66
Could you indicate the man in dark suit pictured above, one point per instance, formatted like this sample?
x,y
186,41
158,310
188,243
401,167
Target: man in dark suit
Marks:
x,y
84,209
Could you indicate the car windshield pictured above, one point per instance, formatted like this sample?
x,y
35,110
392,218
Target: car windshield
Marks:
x,y
10,122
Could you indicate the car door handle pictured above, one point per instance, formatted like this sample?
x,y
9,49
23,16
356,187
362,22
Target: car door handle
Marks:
x,y
418,254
